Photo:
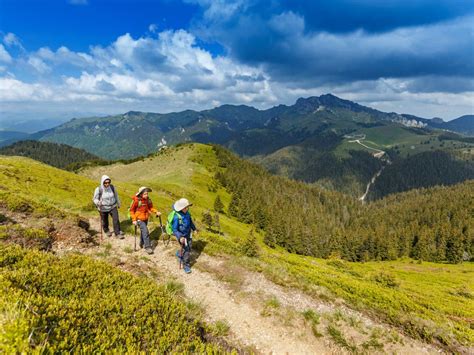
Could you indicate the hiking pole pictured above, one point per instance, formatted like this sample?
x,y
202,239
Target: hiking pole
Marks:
x,y
181,252
135,237
100,217
183,245
164,235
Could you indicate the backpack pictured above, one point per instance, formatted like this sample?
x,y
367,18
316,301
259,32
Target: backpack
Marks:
x,y
102,190
129,216
169,221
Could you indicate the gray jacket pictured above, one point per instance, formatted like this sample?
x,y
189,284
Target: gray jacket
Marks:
x,y
109,199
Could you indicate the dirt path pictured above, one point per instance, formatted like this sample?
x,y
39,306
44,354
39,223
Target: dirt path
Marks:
x,y
244,305
379,155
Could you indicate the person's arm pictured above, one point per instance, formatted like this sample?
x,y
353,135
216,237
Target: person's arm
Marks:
x,y
193,227
153,209
175,226
117,200
95,199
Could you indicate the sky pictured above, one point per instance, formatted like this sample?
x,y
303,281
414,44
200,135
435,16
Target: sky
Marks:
x,y
74,58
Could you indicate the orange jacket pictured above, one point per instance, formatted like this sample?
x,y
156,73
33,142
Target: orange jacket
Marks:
x,y
141,208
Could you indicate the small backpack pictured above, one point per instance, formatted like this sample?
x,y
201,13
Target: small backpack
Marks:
x,y
101,190
129,216
169,221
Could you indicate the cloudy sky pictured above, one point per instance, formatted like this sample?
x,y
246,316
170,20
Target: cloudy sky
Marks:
x,y
71,58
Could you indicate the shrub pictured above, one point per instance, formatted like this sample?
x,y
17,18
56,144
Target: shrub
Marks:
x,y
76,304
386,280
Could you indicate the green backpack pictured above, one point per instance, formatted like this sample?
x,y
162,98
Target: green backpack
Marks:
x,y
128,211
169,221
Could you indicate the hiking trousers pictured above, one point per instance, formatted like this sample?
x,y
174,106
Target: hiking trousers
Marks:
x,y
186,251
144,234
115,220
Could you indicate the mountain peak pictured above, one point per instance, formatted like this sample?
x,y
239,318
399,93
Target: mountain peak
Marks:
x,y
437,120
313,102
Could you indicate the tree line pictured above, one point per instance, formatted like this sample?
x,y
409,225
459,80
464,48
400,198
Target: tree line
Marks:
x,y
435,224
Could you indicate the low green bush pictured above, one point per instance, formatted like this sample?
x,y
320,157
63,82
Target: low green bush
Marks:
x,y
76,304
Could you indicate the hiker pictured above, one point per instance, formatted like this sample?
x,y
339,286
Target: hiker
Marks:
x,y
140,212
182,225
107,202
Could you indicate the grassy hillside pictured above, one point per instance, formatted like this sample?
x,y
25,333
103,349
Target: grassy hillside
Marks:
x,y
388,289
429,301
75,304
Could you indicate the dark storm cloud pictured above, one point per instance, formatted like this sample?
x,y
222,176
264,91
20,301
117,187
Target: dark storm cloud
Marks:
x,y
319,42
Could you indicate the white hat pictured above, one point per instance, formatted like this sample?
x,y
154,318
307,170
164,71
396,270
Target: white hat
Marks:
x,y
181,204
142,190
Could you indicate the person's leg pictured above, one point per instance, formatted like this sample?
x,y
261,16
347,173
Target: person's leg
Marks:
x,y
187,255
105,222
115,221
145,235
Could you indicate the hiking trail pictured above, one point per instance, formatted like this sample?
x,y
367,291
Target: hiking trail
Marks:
x,y
253,325
379,155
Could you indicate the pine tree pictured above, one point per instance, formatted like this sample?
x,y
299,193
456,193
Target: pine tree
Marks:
x,y
234,206
249,246
217,223
218,205
207,219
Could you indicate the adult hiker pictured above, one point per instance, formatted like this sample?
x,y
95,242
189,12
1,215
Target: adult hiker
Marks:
x,y
140,211
107,202
182,225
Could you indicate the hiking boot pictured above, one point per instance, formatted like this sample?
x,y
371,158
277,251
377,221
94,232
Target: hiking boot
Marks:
x,y
108,234
121,235
149,250
187,269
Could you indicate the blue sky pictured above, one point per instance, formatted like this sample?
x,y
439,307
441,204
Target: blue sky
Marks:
x,y
69,58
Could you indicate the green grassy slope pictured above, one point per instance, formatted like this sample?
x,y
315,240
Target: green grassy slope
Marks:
x,y
385,289
78,305
433,302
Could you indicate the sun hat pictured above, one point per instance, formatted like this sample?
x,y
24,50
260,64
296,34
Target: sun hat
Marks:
x,y
142,190
181,204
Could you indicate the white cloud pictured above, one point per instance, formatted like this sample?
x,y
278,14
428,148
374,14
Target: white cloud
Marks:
x,y
11,40
153,28
18,91
171,72
4,55
39,65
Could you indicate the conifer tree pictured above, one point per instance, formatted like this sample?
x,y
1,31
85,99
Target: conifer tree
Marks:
x,y
249,246
218,205
234,206
217,223
207,219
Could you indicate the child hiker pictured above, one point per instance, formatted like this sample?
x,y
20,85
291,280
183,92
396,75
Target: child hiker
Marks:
x,y
107,202
182,226
140,212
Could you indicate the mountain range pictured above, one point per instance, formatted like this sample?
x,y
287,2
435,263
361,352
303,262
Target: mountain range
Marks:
x,y
326,140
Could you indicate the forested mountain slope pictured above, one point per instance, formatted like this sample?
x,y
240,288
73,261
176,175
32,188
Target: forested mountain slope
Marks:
x,y
325,140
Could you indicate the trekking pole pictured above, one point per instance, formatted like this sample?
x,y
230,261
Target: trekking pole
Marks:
x,y
135,237
183,245
100,218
